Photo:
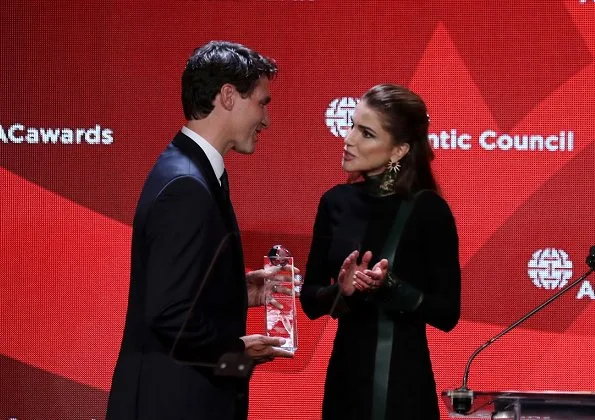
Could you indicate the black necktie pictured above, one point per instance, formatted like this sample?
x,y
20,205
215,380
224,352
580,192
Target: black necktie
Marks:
x,y
225,184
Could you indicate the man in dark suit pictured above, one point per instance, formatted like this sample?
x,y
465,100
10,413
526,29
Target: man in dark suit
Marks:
x,y
189,292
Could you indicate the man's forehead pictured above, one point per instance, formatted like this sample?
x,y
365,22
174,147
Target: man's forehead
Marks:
x,y
263,84
262,91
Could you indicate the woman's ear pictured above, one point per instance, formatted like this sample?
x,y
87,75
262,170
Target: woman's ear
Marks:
x,y
399,151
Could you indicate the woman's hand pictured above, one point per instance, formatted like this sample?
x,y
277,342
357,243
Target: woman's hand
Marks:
x,y
346,273
368,280
354,276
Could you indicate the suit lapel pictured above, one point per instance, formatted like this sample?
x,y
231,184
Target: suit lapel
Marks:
x,y
198,156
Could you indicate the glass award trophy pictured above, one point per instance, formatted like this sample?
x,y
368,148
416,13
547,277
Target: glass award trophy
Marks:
x,y
280,291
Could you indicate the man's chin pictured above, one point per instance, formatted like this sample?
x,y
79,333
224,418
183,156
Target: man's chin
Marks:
x,y
244,150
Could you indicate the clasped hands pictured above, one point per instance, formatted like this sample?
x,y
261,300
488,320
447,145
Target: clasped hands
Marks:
x,y
353,276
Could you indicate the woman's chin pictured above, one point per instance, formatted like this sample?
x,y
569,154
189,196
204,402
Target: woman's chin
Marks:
x,y
347,167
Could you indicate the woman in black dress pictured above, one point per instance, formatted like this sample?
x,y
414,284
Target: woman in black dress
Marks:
x,y
380,365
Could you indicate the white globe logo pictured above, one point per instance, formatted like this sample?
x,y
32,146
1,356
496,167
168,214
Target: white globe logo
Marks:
x,y
338,115
550,268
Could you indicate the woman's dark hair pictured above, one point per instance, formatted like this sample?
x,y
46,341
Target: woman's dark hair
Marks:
x,y
215,64
405,117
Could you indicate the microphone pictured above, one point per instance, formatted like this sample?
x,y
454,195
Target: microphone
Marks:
x,y
591,258
462,397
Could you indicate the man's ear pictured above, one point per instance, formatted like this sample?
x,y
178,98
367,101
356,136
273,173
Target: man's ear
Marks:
x,y
400,151
226,96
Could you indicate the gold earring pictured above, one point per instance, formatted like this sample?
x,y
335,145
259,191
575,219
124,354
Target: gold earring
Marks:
x,y
393,166
387,185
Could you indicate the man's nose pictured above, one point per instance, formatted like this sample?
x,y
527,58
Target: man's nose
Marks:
x,y
266,120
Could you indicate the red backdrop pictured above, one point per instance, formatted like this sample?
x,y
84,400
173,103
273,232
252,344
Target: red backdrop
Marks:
x,y
90,96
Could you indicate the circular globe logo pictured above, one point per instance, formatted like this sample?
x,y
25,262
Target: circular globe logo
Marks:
x,y
550,268
338,115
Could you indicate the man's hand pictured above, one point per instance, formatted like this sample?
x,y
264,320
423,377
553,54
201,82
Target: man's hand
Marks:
x,y
262,349
255,284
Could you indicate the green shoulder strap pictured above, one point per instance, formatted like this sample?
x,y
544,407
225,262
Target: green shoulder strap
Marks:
x,y
386,325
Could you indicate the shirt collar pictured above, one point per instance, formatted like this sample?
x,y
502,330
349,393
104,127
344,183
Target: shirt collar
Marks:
x,y
213,155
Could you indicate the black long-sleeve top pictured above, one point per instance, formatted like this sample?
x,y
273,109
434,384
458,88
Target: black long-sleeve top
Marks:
x,y
427,267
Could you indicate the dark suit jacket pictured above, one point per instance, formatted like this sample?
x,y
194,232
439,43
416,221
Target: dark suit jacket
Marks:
x,y
183,224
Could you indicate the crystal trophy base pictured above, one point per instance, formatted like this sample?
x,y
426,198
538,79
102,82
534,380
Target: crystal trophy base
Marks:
x,y
280,309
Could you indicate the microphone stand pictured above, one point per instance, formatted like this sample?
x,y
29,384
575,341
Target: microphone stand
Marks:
x,y
462,398
229,364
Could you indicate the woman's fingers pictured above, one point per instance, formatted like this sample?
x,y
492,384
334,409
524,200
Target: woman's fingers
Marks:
x,y
369,279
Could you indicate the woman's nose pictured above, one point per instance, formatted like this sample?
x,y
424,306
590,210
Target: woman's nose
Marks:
x,y
348,137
